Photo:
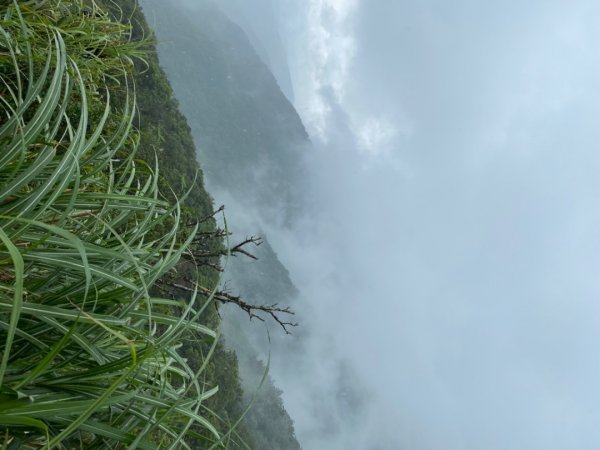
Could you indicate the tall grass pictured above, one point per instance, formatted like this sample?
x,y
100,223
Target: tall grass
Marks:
x,y
88,353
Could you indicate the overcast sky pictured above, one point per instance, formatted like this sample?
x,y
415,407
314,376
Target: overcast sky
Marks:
x,y
457,203
451,254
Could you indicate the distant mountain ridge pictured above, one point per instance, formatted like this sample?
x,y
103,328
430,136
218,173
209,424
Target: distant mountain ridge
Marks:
x,y
259,20
250,138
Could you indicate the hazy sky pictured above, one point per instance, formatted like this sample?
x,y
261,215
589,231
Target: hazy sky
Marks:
x,y
458,216
451,254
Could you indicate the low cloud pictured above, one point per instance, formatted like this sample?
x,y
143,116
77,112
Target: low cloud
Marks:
x,y
375,135
323,47
448,260
464,264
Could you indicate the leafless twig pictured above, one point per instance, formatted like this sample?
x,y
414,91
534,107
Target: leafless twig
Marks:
x,y
204,219
273,310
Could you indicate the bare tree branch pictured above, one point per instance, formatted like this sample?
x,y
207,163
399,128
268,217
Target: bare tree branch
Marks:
x,y
204,219
256,240
239,248
273,310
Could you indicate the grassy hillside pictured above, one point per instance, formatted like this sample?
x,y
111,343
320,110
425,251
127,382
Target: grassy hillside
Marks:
x,y
91,233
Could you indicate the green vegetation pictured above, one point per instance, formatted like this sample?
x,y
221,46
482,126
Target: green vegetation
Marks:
x,y
250,142
166,136
92,355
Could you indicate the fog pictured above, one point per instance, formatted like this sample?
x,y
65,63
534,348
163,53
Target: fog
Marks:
x,y
456,182
450,251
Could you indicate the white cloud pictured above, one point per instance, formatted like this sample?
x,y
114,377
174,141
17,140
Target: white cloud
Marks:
x,y
376,135
482,264
325,55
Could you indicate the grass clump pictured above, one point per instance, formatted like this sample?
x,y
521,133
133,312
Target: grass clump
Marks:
x,y
88,353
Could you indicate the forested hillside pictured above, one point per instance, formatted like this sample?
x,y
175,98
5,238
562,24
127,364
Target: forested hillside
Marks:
x,y
250,138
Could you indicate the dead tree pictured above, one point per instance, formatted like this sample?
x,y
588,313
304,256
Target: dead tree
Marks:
x,y
253,311
200,255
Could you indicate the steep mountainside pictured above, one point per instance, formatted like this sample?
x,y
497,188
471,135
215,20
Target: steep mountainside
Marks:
x,y
249,136
259,20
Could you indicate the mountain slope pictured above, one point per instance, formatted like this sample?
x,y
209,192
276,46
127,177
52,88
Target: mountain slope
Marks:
x,y
249,136
250,142
260,23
